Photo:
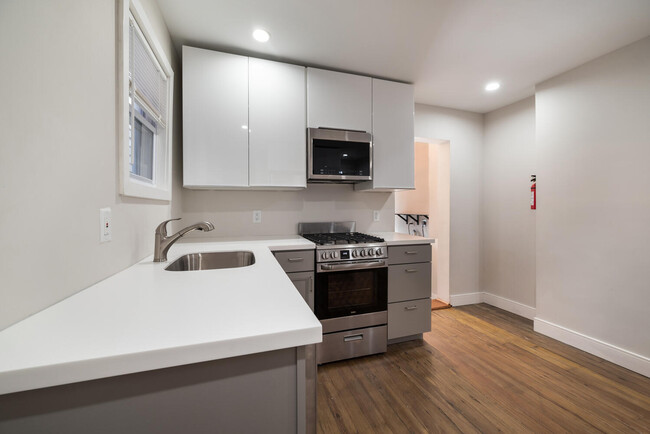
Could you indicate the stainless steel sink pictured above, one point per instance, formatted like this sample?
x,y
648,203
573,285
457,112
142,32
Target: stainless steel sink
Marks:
x,y
212,261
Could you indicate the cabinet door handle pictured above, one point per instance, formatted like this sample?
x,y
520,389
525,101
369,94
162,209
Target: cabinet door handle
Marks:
x,y
296,259
411,270
351,338
410,307
410,252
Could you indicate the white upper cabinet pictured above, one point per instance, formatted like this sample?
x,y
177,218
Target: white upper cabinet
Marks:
x,y
276,119
392,136
215,119
338,100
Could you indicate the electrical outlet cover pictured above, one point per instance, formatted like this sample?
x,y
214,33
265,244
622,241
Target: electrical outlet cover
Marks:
x,y
257,216
105,225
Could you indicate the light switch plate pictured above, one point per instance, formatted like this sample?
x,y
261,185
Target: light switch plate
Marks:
x,y
375,215
105,225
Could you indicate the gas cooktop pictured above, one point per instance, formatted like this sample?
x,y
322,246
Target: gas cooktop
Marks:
x,y
342,238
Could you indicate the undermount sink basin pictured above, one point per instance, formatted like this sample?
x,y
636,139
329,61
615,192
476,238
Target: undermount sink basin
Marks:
x,y
212,261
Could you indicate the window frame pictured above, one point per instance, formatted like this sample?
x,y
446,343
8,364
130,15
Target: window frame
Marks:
x,y
130,185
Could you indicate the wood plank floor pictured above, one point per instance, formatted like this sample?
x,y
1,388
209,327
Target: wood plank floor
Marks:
x,y
481,369
439,304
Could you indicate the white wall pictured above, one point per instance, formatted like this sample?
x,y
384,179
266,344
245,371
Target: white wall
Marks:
x,y
417,201
464,131
507,222
232,211
58,154
593,217
440,218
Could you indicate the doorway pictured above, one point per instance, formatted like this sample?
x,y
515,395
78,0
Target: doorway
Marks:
x,y
426,209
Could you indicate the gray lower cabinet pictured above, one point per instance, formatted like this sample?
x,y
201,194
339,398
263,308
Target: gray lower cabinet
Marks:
x,y
409,291
256,393
299,266
409,318
294,261
304,283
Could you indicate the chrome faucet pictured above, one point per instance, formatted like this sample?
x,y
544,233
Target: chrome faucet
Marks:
x,y
164,242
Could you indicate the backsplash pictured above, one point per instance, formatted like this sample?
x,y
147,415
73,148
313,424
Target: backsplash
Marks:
x,y
232,211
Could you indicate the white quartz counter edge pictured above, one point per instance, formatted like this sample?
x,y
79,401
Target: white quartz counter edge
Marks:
x,y
397,239
146,318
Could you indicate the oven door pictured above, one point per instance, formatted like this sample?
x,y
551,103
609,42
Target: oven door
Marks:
x,y
351,290
339,156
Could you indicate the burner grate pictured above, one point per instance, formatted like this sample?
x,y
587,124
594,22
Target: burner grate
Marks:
x,y
342,238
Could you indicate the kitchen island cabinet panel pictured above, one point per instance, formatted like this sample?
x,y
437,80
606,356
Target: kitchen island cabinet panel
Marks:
x,y
253,393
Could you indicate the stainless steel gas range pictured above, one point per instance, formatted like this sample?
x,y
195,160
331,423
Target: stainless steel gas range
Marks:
x,y
351,290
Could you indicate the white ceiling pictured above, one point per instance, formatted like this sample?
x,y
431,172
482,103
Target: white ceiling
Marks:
x,y
448,48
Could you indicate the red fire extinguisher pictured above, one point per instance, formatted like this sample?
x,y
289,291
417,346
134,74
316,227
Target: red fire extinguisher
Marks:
x,y
533,192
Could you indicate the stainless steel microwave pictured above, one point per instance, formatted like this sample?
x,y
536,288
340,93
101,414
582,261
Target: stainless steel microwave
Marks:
x,y
338,156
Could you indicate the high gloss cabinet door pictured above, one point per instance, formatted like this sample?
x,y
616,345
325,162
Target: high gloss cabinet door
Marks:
x,y
393,137
215,119
338,100
277,137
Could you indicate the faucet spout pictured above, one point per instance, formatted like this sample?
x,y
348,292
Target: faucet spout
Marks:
x,y
164,242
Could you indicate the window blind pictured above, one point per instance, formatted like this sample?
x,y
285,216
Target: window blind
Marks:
x,y
148,83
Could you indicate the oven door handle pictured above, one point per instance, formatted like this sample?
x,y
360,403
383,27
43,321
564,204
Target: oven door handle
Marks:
x,y
353,266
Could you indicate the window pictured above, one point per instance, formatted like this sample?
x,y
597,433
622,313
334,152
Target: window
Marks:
x,y
144,127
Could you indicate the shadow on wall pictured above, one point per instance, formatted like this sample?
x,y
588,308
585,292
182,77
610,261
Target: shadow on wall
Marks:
x,y
232,210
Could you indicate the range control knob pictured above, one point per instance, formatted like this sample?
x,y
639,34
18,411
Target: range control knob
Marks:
x,y
323,255
370,252
379,252
335,254
362,253
354,253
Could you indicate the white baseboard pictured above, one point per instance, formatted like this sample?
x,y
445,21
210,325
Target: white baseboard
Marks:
x,y
463,299
627,359
509,305
494,300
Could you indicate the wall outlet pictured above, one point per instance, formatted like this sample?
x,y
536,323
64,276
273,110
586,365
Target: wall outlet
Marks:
x,y
105,225
375,215
257,216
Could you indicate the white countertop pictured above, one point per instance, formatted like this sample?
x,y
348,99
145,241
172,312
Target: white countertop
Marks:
x,y
146,318
397,239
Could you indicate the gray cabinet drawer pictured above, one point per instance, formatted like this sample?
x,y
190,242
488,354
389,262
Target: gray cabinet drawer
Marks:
x,y
304,283
409,281
351,343
410,253
296,260
409,318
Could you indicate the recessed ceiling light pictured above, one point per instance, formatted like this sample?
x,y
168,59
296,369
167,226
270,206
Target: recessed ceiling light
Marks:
x,y
261,35
492,86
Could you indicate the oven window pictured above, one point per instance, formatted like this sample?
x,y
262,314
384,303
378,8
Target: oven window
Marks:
x,y
332,157
351,292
